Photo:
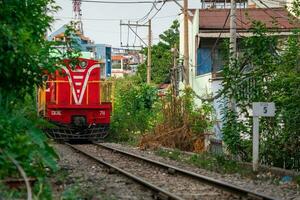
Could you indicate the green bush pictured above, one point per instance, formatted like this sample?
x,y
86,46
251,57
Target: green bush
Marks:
x,y
135,109
21,140
25,56
268,70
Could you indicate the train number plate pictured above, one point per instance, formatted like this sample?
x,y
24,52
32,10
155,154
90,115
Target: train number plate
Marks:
x,y
55,112
102,113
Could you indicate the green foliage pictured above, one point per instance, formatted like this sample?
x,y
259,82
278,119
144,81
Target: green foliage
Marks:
x,y
296,7
266,71
218,163
81,192
22,141
174,155
71,193
23,49
162,58
135,108
199,118
25,56
297,180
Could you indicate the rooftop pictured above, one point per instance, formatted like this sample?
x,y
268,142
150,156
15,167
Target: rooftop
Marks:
x,y
274,18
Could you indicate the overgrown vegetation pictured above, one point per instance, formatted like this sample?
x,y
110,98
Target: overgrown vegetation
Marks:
x,y
136,109
217,163
66,188
162,58
25,55
183,126
268,70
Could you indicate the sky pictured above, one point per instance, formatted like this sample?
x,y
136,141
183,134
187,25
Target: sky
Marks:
x,y
101,22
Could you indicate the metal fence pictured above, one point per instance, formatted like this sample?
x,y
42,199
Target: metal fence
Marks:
x,y
215,146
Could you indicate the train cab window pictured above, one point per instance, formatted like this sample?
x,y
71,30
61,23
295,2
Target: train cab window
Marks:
x,y
72,65
45,80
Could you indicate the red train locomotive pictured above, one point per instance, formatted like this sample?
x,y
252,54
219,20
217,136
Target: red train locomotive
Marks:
x,y
77,101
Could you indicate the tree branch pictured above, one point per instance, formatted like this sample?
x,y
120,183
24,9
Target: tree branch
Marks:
x,y
23,174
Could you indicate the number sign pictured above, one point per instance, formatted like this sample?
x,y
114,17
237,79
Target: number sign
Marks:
x,y
263,109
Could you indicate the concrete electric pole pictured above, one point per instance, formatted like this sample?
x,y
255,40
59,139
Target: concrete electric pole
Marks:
x,y
186,43
77,15
232,46
149,53
130,27
232,31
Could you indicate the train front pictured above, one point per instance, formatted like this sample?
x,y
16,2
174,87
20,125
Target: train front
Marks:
x,y
77,101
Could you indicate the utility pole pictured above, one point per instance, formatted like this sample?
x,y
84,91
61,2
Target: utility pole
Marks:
x,y
232,46
130,25
232,31
174,71
77,15
149,54
186,43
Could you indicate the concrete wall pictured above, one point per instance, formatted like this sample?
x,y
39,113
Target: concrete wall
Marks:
x,y
270,3
201,84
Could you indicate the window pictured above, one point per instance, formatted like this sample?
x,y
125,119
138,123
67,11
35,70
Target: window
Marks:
x,y
204,62
116,64
218,60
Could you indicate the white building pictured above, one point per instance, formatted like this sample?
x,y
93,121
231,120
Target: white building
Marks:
x,y
207,29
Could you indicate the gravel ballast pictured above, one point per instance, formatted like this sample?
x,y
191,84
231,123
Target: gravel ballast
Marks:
x,y
94,181
180,185
279,191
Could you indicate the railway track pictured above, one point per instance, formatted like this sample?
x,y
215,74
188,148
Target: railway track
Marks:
x,y
168,182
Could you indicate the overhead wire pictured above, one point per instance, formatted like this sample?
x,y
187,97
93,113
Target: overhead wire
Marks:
x,y
273,17
216,42
272,10
278,1
110,19
154,6
128,36
136,31
148,13
121,2
153,16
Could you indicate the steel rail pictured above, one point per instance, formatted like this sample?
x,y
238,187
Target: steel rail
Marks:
x,y
208,180
135,178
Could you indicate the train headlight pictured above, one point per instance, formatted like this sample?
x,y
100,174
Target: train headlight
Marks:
x,y
83,64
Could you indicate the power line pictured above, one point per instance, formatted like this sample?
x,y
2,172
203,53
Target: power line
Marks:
x,y
158,10
214,46
111,19
123,2
278,1
264,4
148,13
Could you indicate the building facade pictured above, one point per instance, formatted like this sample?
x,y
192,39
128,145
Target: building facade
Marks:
x,y
90,50
208,28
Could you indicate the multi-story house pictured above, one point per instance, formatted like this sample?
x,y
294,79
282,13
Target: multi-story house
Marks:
x,y
210,26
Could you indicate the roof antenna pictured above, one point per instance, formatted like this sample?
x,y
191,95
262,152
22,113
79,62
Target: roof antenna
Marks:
x,y
77,15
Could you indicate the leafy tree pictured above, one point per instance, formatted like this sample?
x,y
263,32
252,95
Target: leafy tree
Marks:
x,y
162,58
266,71
25,55
296,7
135,109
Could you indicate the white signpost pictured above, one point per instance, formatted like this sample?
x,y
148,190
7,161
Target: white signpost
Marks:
x,y
260,109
